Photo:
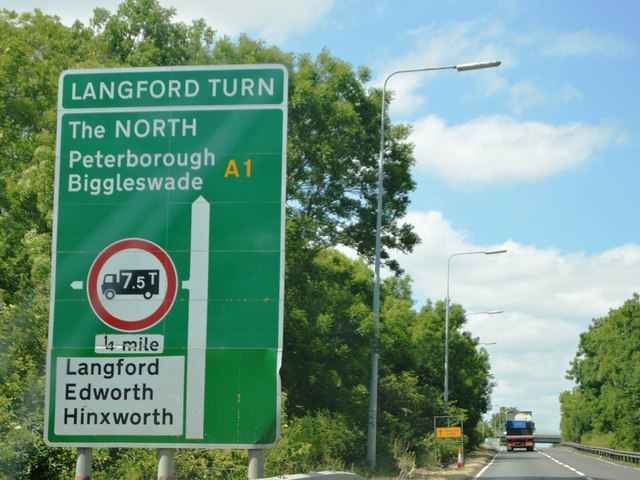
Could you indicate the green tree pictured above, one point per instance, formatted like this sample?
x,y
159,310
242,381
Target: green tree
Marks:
x,y
407,404
34,49
575,422
141,33
470,380
327,331
604,407
32,54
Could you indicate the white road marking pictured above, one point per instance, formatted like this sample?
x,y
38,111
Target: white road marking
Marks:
x,y
577,472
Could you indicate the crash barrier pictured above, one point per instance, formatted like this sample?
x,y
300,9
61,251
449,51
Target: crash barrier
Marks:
x,y
319,476
630,457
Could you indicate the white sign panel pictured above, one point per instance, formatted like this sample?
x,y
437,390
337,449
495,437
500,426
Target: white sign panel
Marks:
x,y
121,396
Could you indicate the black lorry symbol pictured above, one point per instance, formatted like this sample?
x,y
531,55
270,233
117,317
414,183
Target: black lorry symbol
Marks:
x,y
131,282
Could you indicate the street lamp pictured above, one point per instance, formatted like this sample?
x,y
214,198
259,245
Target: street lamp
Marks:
x,y
373,390
488,312
446,322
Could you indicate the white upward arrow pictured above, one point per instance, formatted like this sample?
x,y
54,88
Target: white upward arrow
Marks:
x,y
198,286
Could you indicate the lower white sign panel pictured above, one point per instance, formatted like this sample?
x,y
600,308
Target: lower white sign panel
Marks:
x,y
119,396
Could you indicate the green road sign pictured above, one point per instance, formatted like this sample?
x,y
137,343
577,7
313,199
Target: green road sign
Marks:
x,y
168,254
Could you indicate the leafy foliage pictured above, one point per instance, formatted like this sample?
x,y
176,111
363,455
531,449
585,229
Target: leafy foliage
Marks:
x,y
313,442
605,404
327,333
141,33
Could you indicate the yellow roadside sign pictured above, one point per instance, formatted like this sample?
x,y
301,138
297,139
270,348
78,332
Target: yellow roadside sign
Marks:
x,y
449,432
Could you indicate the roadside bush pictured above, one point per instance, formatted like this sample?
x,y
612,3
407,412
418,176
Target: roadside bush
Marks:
x,y
319,441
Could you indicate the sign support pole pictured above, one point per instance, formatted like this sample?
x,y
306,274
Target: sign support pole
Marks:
x,y
256,464
83,463
166,457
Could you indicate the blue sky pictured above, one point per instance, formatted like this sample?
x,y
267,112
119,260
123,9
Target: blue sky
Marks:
x,y
539,156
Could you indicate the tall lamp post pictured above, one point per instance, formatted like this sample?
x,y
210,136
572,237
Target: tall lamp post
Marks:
x,y
373,390
446,322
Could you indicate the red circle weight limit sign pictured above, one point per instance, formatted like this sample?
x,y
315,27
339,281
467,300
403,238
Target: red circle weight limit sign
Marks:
x,y
132,284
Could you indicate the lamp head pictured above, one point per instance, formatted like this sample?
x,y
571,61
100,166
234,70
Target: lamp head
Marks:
x,y
477,66
493,252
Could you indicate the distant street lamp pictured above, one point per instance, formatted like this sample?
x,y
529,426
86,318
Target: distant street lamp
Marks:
x,y
488,312
373,390
446,322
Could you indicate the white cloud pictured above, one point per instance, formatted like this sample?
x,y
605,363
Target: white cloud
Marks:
x,y
269,20
548,298
500,149
527,94
538,283
585,42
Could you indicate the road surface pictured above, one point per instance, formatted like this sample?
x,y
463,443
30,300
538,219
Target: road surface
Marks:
x,y
554,464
